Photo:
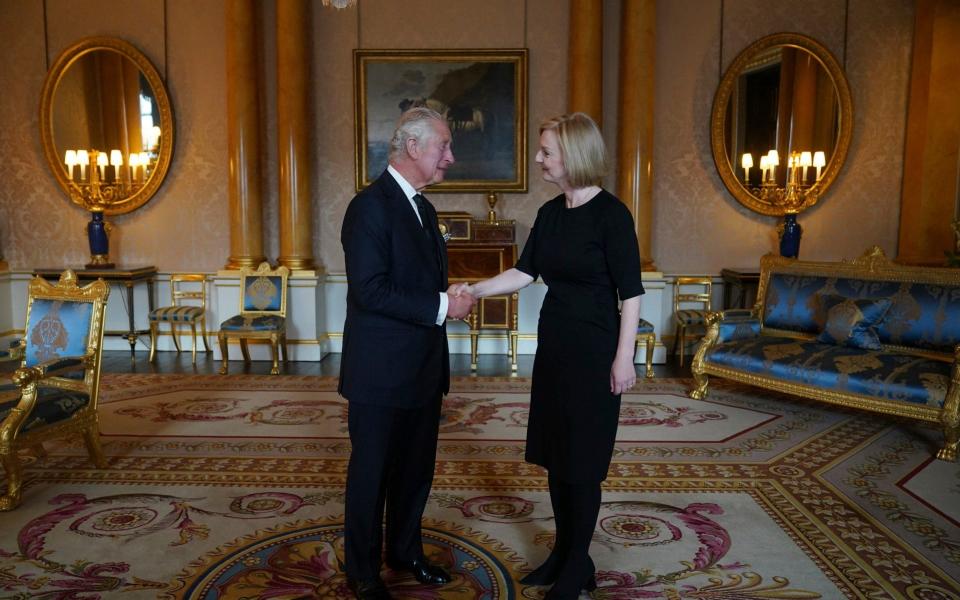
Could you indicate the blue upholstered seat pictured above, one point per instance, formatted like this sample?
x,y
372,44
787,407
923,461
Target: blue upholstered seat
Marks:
x,y
644,326
53,405
886,375
179,314
253,323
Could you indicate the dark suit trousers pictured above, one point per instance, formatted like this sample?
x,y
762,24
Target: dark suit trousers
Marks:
x,y
391,467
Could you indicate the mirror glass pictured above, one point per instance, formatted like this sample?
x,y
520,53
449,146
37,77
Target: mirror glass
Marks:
x,y
107,125
782,115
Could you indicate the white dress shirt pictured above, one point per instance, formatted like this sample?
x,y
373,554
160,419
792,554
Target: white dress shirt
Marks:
x,y
410,192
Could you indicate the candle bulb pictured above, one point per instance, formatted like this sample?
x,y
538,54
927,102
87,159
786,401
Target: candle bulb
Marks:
x,y
746,162
805,161
70,159
819,161
83,159
102,163
773,160
116,159
134,161
764,165
144,163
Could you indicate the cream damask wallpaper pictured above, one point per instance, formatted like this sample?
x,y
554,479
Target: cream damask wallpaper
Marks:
x,y
698,227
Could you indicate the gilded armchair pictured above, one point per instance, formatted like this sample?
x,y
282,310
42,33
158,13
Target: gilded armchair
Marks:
x,y
54,392
263,311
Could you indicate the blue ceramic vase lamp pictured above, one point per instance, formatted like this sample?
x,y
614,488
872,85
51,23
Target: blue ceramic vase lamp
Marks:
x,y
790,232
97,230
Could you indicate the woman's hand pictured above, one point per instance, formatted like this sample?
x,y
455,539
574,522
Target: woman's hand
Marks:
x,y
622,374
458,288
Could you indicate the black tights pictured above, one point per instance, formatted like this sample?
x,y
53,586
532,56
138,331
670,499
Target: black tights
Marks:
x,y
575,509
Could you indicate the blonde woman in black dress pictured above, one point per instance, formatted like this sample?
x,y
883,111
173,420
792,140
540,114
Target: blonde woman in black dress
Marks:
x,y
584,246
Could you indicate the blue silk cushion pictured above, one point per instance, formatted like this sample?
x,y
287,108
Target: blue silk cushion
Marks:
x,y
57,328
180,314
852,321
53,404
253,323
644,326
735,329
885,375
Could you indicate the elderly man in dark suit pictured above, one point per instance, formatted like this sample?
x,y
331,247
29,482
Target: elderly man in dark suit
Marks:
x,y
395,365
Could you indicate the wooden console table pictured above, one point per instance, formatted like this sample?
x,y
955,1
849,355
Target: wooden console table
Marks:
x,y
739,287
128,276
478,250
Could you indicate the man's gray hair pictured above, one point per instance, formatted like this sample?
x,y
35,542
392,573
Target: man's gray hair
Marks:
x,y
413,124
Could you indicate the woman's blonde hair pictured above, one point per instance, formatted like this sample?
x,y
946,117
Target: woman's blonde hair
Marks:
x,y
581,146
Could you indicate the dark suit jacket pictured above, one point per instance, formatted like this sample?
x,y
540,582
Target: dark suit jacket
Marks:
x,y
394,354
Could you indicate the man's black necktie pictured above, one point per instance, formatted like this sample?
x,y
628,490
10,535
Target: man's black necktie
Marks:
x,y
421,203
428,227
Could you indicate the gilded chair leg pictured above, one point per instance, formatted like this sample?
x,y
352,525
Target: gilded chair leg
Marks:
x,y
153,340
203,331
951,437
11,463
193,334
245,350
650,342
699,391
274,352
223,352
91,437
514,339
176,336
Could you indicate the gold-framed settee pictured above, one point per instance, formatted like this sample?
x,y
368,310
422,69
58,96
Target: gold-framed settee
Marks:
x,y
902,357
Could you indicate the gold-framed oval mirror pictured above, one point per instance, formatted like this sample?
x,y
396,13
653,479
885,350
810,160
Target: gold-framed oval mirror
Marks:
x,y
106,125
785,92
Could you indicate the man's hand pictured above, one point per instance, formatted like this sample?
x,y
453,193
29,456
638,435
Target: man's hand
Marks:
x,y
459,305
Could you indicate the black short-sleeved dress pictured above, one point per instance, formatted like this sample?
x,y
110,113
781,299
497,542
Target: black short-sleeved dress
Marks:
x,y
587,256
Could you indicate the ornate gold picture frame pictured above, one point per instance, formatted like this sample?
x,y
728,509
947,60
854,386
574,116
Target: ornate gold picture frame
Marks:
x,y
482,94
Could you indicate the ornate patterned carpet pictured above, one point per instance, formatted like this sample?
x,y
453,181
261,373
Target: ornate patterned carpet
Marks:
x,y
232,487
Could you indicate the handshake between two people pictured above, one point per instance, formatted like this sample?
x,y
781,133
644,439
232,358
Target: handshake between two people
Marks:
x,y
461,300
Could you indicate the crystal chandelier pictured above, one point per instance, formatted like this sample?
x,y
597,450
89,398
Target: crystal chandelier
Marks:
x,y
339,3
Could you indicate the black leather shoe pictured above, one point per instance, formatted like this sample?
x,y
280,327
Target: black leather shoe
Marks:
x,y
369,589
422,571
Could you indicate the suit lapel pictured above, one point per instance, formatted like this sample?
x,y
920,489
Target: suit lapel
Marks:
x,y
430,246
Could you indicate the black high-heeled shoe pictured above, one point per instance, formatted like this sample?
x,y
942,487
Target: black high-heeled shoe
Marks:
x,y
566,589
545,574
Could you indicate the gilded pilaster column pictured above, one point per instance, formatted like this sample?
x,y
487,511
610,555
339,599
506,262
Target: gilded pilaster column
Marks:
x,y
635,106
931,163
293,73
585,81
243,136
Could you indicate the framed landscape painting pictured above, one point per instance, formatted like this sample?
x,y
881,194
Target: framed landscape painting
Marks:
x,y
481,93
